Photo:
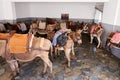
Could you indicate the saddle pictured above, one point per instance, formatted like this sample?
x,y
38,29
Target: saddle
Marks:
x,y
62,39
94,29
115,39
18,43
4,36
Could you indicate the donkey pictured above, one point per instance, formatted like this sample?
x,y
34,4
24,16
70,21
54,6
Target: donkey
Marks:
x,y
68,48
109,37
34,51
76,36
96,31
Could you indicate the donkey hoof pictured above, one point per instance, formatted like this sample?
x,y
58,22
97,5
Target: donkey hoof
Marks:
x,y
17,78
68,66
43,73
74,57
50,75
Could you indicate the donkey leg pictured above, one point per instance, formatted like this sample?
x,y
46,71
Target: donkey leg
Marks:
x,y
45,68
56,51
16,67
12,66
67,53
91,38
47,61
73,53
99,41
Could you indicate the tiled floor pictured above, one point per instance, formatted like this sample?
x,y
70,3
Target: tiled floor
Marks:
x,y
89,66
92,64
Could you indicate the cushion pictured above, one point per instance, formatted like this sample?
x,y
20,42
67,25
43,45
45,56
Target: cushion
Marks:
x,y
63,25
42,25
50,27
2,27
116,38
23,26
50,21
34,25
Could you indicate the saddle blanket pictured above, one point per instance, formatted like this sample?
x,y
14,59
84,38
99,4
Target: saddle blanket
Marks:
x,y
92,29
116,38
4,35
18,43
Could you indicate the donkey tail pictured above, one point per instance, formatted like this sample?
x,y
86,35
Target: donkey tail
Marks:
x,y
51,50
51,53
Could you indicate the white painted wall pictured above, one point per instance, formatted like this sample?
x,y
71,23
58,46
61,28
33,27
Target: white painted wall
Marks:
x,y
109,12
14,11
118,15
1,10
118,20
54,9
22,10
7,10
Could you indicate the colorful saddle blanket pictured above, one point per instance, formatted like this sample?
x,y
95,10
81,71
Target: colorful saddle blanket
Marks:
x,y
18,43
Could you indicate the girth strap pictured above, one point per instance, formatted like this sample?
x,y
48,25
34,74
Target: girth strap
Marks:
x,y
39,49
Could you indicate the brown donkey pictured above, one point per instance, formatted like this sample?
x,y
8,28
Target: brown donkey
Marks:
x,y
68,49
34,51
96,31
